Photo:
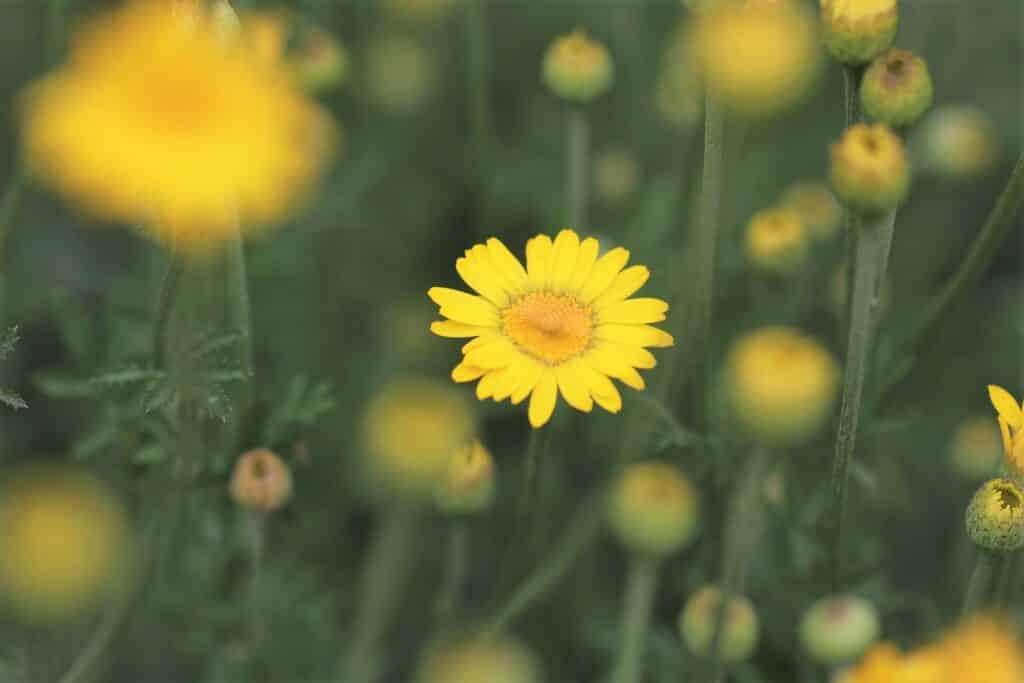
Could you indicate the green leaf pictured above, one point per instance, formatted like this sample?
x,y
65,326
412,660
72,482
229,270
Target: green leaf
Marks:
x,y
124,376
7,342
12,400
56,384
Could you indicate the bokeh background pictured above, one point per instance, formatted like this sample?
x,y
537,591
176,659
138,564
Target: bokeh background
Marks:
x,y
338,295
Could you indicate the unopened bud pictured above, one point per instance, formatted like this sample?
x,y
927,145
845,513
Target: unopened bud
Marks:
x,y
261,482
654,509
995,516
838,629
467,485
856,31
897,88
577,68
740,628
869,168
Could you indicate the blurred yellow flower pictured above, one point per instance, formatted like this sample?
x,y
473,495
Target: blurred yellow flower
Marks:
x,y
565,323
884,663
467,485
401,74
817,206
757,59
480,660
577,68
157,119
976,451
776,241
653,509
411,429
64,541
959,142
1011,426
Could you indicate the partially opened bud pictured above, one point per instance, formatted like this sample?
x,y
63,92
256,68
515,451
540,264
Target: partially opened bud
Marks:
x,y
838,629
740,628
467,486
577,68
776,241
869,168
856,31
653,509
995,516
817,207
261,481
897,88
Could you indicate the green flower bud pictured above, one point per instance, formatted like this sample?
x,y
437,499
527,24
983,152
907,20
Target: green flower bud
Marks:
x,y
869,169
838,629
577,68
897,88
959,142
995,516
856,31
653,509
740,628
817,207
776,241
467,486
473,660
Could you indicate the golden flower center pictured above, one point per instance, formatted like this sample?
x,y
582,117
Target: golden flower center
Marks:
x,y
550,327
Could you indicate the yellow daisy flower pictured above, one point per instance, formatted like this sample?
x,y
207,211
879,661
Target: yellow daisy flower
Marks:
x,y
1011,425
563,324
158,119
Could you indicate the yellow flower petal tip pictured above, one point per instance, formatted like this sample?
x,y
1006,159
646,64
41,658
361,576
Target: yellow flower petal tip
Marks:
x,y
563,324
1006,405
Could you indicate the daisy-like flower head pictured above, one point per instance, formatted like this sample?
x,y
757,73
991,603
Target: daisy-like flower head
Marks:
x,y
563,324
160,118
1011,426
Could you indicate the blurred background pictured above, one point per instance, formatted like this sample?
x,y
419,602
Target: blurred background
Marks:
x,y
340,314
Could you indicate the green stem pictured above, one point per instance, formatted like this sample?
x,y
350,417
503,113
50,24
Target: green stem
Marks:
x,y
164,306
256,528
577,166
56,15
240,310
10,207
479,64
978,585
384,576
851,100
456,565
641,585
867,273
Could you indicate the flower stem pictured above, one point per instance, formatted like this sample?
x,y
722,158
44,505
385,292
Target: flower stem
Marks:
x,y
641,584
384,576
256,528
164,306
480,115
577,166
851,100
239,307
978,585
456,565
870,259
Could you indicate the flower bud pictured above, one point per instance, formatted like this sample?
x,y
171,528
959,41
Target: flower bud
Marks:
x,y
776,241
897,88
869,169
577,68
740,627
838,629
757,60
467,486
476,660
261,481
817,207
959,142
781,386
976,449
65,540
856,31
653,509
400,74
616,175
995,516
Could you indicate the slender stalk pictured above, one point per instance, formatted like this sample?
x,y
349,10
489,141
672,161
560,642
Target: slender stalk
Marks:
x,y
577,166
851,100
10,207
240,310
978,585
479,64
867,273
256,528
456,564
641,584
164,305
384,576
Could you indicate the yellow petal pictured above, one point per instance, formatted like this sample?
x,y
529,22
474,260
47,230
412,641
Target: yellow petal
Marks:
x,y
1017,456
573,388
481,257
602,274
506,381
604,359
625,284
482,282
601,388
506,262
542,402
466,373
531,372
538,260
635,335
1004,430
450,328
1006,405
463,307
633,356
482,340
563,259
584,262
486,386
499,354
633,311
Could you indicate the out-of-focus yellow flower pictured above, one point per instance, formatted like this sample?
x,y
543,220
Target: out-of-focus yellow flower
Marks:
x,y
976,451
155,119
467,485
983,650
995,516
653,509
776,241
261,481
781,384
756,59
424,11
616,175
869,168
400,74
577,68
884,663
313,58
480,660
740,629
64,542
563,324
1011,426
410,430
959,142
817,207
856,31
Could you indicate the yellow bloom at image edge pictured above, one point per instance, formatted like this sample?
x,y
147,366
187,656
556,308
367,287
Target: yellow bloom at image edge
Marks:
x,y
156,119
565,324
64,542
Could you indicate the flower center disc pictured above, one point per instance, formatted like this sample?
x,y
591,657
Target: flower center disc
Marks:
x,y
550,327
